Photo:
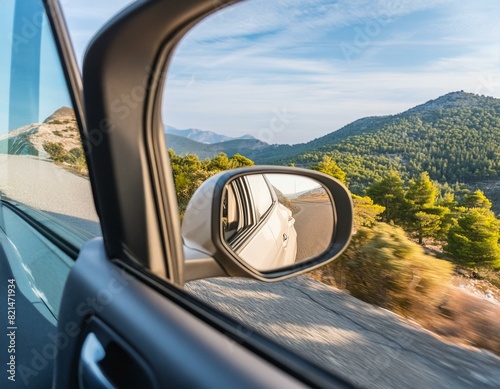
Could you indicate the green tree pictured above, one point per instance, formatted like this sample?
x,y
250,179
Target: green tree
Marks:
x,y
450,215
76,159
474,240
238,160
422,192
423,218
389,192
476,199
328,166
425,224
366,213
219,162
189,172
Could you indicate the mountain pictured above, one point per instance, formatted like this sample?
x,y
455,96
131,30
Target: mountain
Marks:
x,y
316,194
456,138
63,114
60,127
454,100
201,136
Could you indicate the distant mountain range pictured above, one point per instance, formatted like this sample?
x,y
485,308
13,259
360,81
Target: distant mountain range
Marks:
x,y
455,138
206,144
207,137
182,146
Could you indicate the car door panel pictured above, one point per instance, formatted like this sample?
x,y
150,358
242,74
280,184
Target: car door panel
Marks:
x,y
172,348
32,351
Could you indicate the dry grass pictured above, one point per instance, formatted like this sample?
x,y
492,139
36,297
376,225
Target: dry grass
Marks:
x,y
466,318
461,317
382,267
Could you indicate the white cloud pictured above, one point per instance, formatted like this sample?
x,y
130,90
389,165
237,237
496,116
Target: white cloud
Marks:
x,y
323,104
231,73
235,69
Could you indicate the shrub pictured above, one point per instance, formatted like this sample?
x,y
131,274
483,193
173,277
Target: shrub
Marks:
x,y
469,318
55,150
383,267
76,158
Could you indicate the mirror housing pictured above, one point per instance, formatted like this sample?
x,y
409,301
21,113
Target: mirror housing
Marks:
x,y
207,252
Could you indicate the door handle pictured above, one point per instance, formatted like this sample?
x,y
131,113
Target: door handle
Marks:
x,y
285,240
90,375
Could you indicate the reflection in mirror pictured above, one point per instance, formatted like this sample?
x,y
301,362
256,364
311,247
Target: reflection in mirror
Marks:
x,y
274,220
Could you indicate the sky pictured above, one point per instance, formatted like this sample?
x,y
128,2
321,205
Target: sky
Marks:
x,y
52,90
290,71
292,184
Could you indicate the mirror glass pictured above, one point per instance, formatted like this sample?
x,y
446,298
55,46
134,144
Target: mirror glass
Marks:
x,y
274,220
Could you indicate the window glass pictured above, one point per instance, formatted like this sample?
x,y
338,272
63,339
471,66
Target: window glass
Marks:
x,y
46,206
230,213
401,102
261,194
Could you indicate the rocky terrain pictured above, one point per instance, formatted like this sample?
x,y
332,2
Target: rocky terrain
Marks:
x,y
60,127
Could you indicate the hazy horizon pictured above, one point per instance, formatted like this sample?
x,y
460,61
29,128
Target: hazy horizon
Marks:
x,y
215,131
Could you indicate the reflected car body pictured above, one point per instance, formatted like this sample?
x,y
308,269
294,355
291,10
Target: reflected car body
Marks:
x,y
258,227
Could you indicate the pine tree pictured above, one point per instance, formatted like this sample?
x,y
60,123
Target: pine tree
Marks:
x,y
474,240
366,213
424,218
422,191
476,199
328,166
389,193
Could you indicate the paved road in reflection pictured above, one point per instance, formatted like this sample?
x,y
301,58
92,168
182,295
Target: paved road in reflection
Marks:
x,y
314,224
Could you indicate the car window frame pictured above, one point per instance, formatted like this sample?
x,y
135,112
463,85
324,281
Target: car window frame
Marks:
x,y
167,283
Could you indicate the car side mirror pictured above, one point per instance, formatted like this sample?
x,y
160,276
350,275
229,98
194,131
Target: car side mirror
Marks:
x,y
267,223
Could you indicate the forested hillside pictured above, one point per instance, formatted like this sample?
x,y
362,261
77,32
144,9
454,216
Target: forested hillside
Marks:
x,y
455,138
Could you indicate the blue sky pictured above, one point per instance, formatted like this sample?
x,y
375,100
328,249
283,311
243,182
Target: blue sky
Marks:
x,y
290,71
53,92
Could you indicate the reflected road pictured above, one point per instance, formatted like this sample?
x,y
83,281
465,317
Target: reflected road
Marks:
x,y
314,225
